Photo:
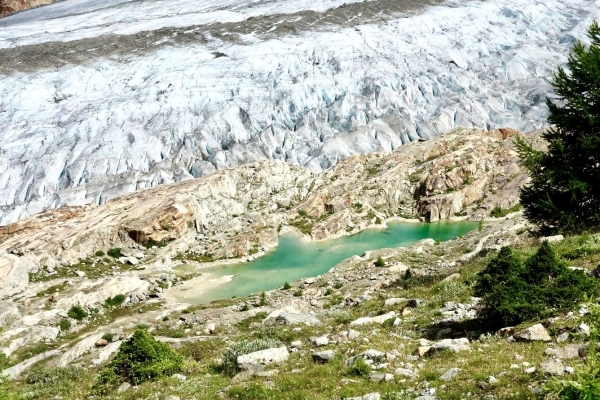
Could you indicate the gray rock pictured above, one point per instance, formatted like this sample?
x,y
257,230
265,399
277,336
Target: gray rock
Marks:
x,y
369,356
124,387
9,313
536,332
408,373
375,376
319,341
262,357
370,396
296,344
179,376
16,370
380,319
553,367
583,329
450,374
294,319
323,356
80,274
394,300
552,239
352,334
452,345
492,380
568,352
563,337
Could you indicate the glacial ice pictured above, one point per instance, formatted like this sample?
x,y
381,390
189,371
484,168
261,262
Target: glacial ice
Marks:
x,y
91,131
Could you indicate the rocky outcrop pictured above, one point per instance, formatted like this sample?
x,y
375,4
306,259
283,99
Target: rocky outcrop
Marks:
x,y
12,6
239,212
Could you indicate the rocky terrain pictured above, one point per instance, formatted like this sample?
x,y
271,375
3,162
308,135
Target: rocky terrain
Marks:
x,y
232,213
12,6
104,98
77,281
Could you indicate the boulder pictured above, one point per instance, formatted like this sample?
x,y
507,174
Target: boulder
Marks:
x,y
319,341
451,345
369,356
534,333
552,239
370,396
405,372
323,356
295,319
568,352
394,300
380,319
376,376
450,374
9,314
553,367
352,334
262,357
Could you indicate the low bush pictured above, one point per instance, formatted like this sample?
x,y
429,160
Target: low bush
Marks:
x,y
139,359
64,325
231,353
114,301
77,312
99,253
114,252
359,368
513,291
379,262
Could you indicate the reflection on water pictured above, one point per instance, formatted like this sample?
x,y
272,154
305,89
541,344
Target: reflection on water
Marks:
x,y
294,259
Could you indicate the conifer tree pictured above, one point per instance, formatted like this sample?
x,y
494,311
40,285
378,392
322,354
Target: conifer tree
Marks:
x,y
564,192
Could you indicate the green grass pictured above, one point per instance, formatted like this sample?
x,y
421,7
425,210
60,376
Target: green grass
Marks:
x,y
498,212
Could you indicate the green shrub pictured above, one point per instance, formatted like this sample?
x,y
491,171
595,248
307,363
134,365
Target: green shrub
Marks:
x,y
99,253
139,359
359,368
114,301
287,286
513,292
52,376
302,213
231,353
114,252
77,312
64,325
379,262
298,293
263,298
108,337
498,212
564,191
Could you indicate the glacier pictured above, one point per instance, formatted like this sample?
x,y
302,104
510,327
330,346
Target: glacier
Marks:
x,y
103,98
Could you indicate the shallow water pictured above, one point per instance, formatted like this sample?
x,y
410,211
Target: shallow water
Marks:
x,y
295,259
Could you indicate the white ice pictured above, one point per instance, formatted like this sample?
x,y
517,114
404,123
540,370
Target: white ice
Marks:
x,y
90,132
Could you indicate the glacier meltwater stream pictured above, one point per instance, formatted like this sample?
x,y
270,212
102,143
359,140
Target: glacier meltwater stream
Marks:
x,y
295,259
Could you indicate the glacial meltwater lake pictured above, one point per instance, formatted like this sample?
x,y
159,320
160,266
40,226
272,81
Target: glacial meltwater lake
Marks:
x,y
295,259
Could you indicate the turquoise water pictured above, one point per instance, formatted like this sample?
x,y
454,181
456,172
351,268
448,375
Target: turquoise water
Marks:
x,y
295,259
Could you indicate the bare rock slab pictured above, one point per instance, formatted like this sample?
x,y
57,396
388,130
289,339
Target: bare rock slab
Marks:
x,y
534,333
323,356
262,357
